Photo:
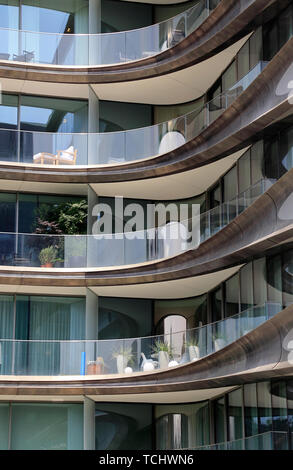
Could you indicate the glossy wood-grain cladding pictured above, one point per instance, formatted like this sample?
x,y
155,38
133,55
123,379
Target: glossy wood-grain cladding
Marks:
x,y
255,109
259,355
254,232
229,20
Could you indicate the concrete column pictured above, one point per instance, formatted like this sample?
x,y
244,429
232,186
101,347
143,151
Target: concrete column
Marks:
x,y
94,30
91,316
93,127
88,424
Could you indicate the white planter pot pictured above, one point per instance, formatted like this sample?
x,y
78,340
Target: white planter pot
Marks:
x,y
163,359
148,366
121,364
193,353
219,344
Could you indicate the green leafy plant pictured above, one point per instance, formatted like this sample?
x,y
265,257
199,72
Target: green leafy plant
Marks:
x,y
48,255
126,353
73,217
161,346
218,335
69,218
191,342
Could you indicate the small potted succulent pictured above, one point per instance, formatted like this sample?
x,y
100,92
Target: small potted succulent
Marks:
x,y
219,341
123,357
47,257
193,349
163,351
100,365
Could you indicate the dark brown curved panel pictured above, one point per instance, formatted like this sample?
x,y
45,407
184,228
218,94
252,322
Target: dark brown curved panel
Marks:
x,y
260,354
263,102
230,20
267,223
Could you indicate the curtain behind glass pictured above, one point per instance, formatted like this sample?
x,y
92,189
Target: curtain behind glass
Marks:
x,y
46,426
50,318
6,332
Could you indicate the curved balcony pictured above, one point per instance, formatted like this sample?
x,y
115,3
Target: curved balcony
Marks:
x,y
122,249
270,440
265,101
128,356
116,148
137,54
101,49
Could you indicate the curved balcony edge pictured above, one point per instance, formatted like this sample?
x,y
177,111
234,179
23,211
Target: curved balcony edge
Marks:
x,y
262,353
265,224
267,99
227,23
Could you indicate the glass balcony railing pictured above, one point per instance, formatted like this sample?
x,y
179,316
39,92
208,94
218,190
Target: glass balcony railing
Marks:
x,y
127,356
45,148
118,249
104,48
271,440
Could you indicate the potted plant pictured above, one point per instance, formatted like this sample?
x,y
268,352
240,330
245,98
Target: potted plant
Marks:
x,y
91,368
163,351
100,365
193,349
219,341
47,257
123,357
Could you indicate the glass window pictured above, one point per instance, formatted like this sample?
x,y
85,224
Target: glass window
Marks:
x,y
274,279
243,64
255,47
290,410
235,415
231,304
48,318
279,405
259,281
230,184
40,426
7,212
220,420
182,425
115,116
53,114
285,26
287,278
172,431
8,124
124,318
58,17
244,172
216,305
246,287
257,162
193,310
215,196
123,426
270,40
250,410
6,317
229,77
8,111
4,421
9,14
286,150
27,219
264,406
